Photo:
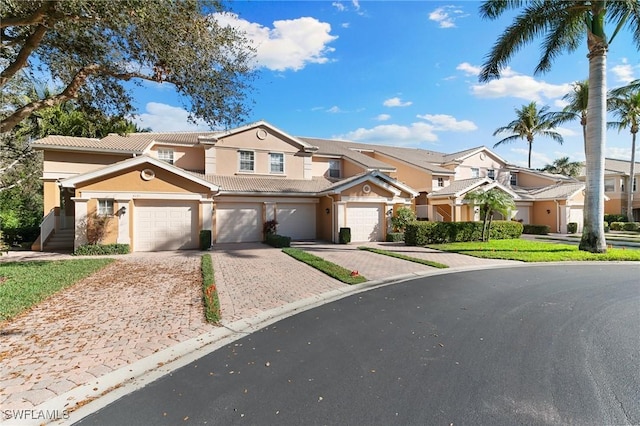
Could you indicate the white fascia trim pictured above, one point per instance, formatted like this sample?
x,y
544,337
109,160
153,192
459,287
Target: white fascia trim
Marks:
x,y
57,175
86,149
370,200
305,146
501,187
124,195
224,200
397,184
123,165
381,183
488,151
422,169
523,203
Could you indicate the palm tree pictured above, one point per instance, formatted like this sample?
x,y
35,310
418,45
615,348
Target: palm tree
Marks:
x,y
490,202
563,24
578,100
626,107
562,166
530,122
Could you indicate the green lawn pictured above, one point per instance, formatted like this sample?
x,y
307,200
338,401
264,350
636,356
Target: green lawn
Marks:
x,y
534,251
24,284
331,269
404,257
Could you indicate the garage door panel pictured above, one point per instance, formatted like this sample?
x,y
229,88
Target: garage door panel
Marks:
x,y
297,221
165,225
365,222
238,222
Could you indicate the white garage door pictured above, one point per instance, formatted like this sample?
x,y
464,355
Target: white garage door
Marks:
x,y
163,225
297,221
365,221
238,222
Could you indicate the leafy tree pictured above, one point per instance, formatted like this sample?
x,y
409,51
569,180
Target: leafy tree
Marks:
x,y
490,202
563,24
94,46
626,107
529,123
562,166
403,216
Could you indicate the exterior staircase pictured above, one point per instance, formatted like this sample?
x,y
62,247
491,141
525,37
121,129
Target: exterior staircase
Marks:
x,y
60,240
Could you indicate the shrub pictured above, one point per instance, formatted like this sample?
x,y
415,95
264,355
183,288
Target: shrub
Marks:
x,y
102,249
278,241
403,216
536,229
211,300
422,233
96,227
18,235
616,226
394,237
572,227
631,226
205,239
269,227
606,227
615,218
344,235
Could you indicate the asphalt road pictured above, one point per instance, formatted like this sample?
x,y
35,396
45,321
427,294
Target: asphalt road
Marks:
x,y
536,345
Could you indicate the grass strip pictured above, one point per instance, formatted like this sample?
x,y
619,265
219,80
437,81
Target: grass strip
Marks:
x,y
535,251
209,290
331,269
404,257
25,284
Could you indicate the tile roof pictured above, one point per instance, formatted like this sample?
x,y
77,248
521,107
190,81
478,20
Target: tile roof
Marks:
x,y
341,148
553,176
458,186
558,191
255,184
619,166
460,155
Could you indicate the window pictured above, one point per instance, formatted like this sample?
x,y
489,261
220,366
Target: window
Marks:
x,y
475,172
609,185
513,179
276,162
166,155
634,188
105,207
491,174
246,161
334,168
440,182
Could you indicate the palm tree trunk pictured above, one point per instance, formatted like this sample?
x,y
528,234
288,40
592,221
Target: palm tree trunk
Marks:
x,y
593,238
632,172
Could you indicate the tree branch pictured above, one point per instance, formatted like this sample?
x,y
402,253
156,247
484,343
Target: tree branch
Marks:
x,y
36,18
32,42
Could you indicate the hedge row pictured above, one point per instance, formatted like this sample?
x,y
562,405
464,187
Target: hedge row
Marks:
x,y
422,233
102,249
536,229
624,226
278,241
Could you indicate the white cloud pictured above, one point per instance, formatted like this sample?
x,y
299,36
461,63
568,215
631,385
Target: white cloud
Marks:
x,y
566,133
399,135
538,159
341,7
396,102
624,72
520,86
446,16
560,103
290,44
619,153
166,118
383,117
334,109
443,122
468,69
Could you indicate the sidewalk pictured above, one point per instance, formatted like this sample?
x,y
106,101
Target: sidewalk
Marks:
x,y
141,316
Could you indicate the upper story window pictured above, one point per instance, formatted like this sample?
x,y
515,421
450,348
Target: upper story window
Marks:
x,y
491,174
105,207
609,185
276,162
166,155
334,168
513,179
440,182
475,172
247,160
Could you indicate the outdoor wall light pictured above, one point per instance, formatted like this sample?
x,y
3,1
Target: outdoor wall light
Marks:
x,y
327,210
548,211
122,210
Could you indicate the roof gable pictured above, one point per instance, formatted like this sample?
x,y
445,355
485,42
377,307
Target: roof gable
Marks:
x,y
380,179
264,127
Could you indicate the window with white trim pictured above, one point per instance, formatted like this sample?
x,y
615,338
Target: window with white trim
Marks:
x,y
513,179
334,168
247,160
609,185
166,155
440,182
475,172
105,207
491,174
276,162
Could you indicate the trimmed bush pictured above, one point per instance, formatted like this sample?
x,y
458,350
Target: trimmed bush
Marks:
x,y
102,249
631,226
344,236
572,227
278,241
209,290
615,218
616,226
422,233
536,229
606,227
395,237
205,239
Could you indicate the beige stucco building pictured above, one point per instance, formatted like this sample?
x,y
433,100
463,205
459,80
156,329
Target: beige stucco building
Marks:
x,y
159,190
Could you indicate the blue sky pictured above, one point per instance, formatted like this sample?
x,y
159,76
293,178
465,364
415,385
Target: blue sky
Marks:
x,y
397,73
